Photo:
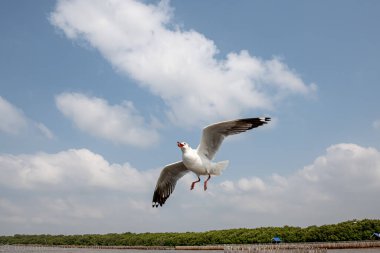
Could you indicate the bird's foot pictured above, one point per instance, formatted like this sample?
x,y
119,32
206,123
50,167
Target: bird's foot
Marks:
x,y
193,183
205,183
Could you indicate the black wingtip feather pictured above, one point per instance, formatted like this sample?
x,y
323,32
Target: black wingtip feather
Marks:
x,y
246,124
159,198
255,122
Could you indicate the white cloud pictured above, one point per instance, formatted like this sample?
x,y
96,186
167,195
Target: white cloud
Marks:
x,y
179,66
13,121
69,171
78,191
255,184
70,192
117,123
228,186
339,185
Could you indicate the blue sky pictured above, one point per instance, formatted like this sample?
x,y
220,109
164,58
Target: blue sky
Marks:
x,y
95,94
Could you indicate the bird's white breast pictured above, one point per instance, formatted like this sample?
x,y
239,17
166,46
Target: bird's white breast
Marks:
x,y
194,162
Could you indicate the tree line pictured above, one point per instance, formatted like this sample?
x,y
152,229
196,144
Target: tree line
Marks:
x,y
354,230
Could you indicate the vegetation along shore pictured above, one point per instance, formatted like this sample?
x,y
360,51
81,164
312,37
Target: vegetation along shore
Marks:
x,y
354,230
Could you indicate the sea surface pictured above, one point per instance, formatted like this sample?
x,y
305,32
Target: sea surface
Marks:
x,y
26,249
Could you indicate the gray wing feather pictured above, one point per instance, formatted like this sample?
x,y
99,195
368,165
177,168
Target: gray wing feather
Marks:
x,y
167,181
213,135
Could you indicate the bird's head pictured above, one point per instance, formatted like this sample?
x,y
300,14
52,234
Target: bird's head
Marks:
x,y
182,145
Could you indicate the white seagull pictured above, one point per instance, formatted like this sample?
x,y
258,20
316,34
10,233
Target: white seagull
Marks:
x,y
199,160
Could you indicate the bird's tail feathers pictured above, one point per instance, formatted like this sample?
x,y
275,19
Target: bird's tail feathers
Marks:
x,y
219,167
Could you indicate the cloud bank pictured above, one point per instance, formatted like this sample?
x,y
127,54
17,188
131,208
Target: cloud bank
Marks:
x,y
117,123
71,188
78,191
69,171
180,66
338,185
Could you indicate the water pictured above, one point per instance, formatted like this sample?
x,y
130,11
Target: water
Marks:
x,y
372,250
27,249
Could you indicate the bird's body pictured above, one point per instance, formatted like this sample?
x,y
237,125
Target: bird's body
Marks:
x,y
199,163
194,162
200,160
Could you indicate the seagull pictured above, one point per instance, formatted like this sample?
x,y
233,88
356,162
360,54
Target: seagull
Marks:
x,y
200,160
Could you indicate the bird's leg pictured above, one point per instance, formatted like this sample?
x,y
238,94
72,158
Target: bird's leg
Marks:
x,y
193,183
205,184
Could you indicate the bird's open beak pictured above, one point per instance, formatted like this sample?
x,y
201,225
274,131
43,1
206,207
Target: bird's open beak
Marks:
x,y
180,145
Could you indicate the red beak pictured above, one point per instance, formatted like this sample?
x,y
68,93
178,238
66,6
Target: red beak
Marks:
x,y
180,145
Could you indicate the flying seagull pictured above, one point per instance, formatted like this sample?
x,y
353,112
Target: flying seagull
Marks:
x,y
199,160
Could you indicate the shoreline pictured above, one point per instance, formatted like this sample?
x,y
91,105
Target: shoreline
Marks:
x,y
226,247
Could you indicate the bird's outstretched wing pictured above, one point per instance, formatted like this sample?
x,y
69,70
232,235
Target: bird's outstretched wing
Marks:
x,y
213,135
167,181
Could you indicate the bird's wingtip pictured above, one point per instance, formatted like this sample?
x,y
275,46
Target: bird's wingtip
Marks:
x,y
265,119
156,204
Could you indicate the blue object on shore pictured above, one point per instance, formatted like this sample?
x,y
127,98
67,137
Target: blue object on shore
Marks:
x,y
376,235
276,239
